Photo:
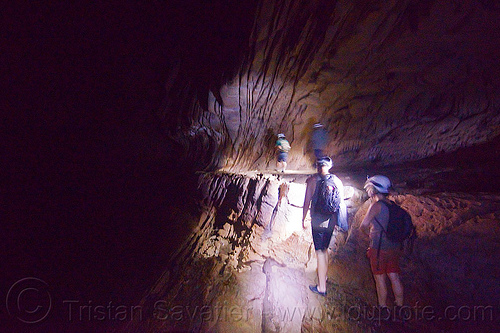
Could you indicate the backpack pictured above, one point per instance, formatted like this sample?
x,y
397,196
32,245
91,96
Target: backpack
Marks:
x,y
326,198
400,228
285,146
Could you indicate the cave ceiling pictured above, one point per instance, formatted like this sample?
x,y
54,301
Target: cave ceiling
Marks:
x,y
392,81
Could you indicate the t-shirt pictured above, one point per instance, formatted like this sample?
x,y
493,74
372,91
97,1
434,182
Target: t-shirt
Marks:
x,y
376,231
285,145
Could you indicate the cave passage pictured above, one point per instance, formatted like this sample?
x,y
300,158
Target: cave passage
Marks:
x,y
137,138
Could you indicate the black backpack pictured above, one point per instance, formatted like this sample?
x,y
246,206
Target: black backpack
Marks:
x,y
326,198
400,228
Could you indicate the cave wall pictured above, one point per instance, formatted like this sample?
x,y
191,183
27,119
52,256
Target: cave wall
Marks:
x,y
392,81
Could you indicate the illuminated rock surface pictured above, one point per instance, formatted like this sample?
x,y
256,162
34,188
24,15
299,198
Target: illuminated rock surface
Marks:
x,y
405,88
100,175
392,82
248,265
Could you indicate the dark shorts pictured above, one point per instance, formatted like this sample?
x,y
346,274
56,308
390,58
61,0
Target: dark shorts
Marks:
x,y
386,262
322,229
282,157
321,238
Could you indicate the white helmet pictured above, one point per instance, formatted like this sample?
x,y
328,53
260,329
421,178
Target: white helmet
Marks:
x,y
281,135
317,125
381,183
325,161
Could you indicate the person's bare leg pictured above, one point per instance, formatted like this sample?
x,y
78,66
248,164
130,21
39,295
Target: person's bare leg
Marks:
x,y
322,258
284,167
380,284
397,287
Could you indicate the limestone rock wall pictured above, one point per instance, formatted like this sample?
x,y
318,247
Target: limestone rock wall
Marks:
x,y
392,81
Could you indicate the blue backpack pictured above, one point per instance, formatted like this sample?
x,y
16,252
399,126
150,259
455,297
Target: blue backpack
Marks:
x,y
326,198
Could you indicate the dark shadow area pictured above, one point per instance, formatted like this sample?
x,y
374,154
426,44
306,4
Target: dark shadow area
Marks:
x,y
91,198
98,237
469,170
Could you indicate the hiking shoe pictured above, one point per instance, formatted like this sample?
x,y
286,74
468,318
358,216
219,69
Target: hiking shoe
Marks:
x,y
315,290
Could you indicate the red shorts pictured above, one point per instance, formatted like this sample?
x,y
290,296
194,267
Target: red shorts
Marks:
x,y
386,262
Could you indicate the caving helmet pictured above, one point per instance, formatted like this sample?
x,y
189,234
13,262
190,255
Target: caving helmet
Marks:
x,y
381,183
325,161
281,135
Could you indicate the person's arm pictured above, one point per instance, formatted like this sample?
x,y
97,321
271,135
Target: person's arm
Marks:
x,y
307,199
373,211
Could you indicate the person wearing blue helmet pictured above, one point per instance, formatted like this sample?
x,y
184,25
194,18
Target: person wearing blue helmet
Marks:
x,y
324,221
385,262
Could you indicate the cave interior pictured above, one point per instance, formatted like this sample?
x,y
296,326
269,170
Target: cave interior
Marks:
x,y
140,160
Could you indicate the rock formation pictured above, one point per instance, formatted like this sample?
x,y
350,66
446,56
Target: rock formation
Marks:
x,y
392,82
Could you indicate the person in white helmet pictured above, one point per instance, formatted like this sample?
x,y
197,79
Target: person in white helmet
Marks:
x,y
323,224
384,262
282,147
